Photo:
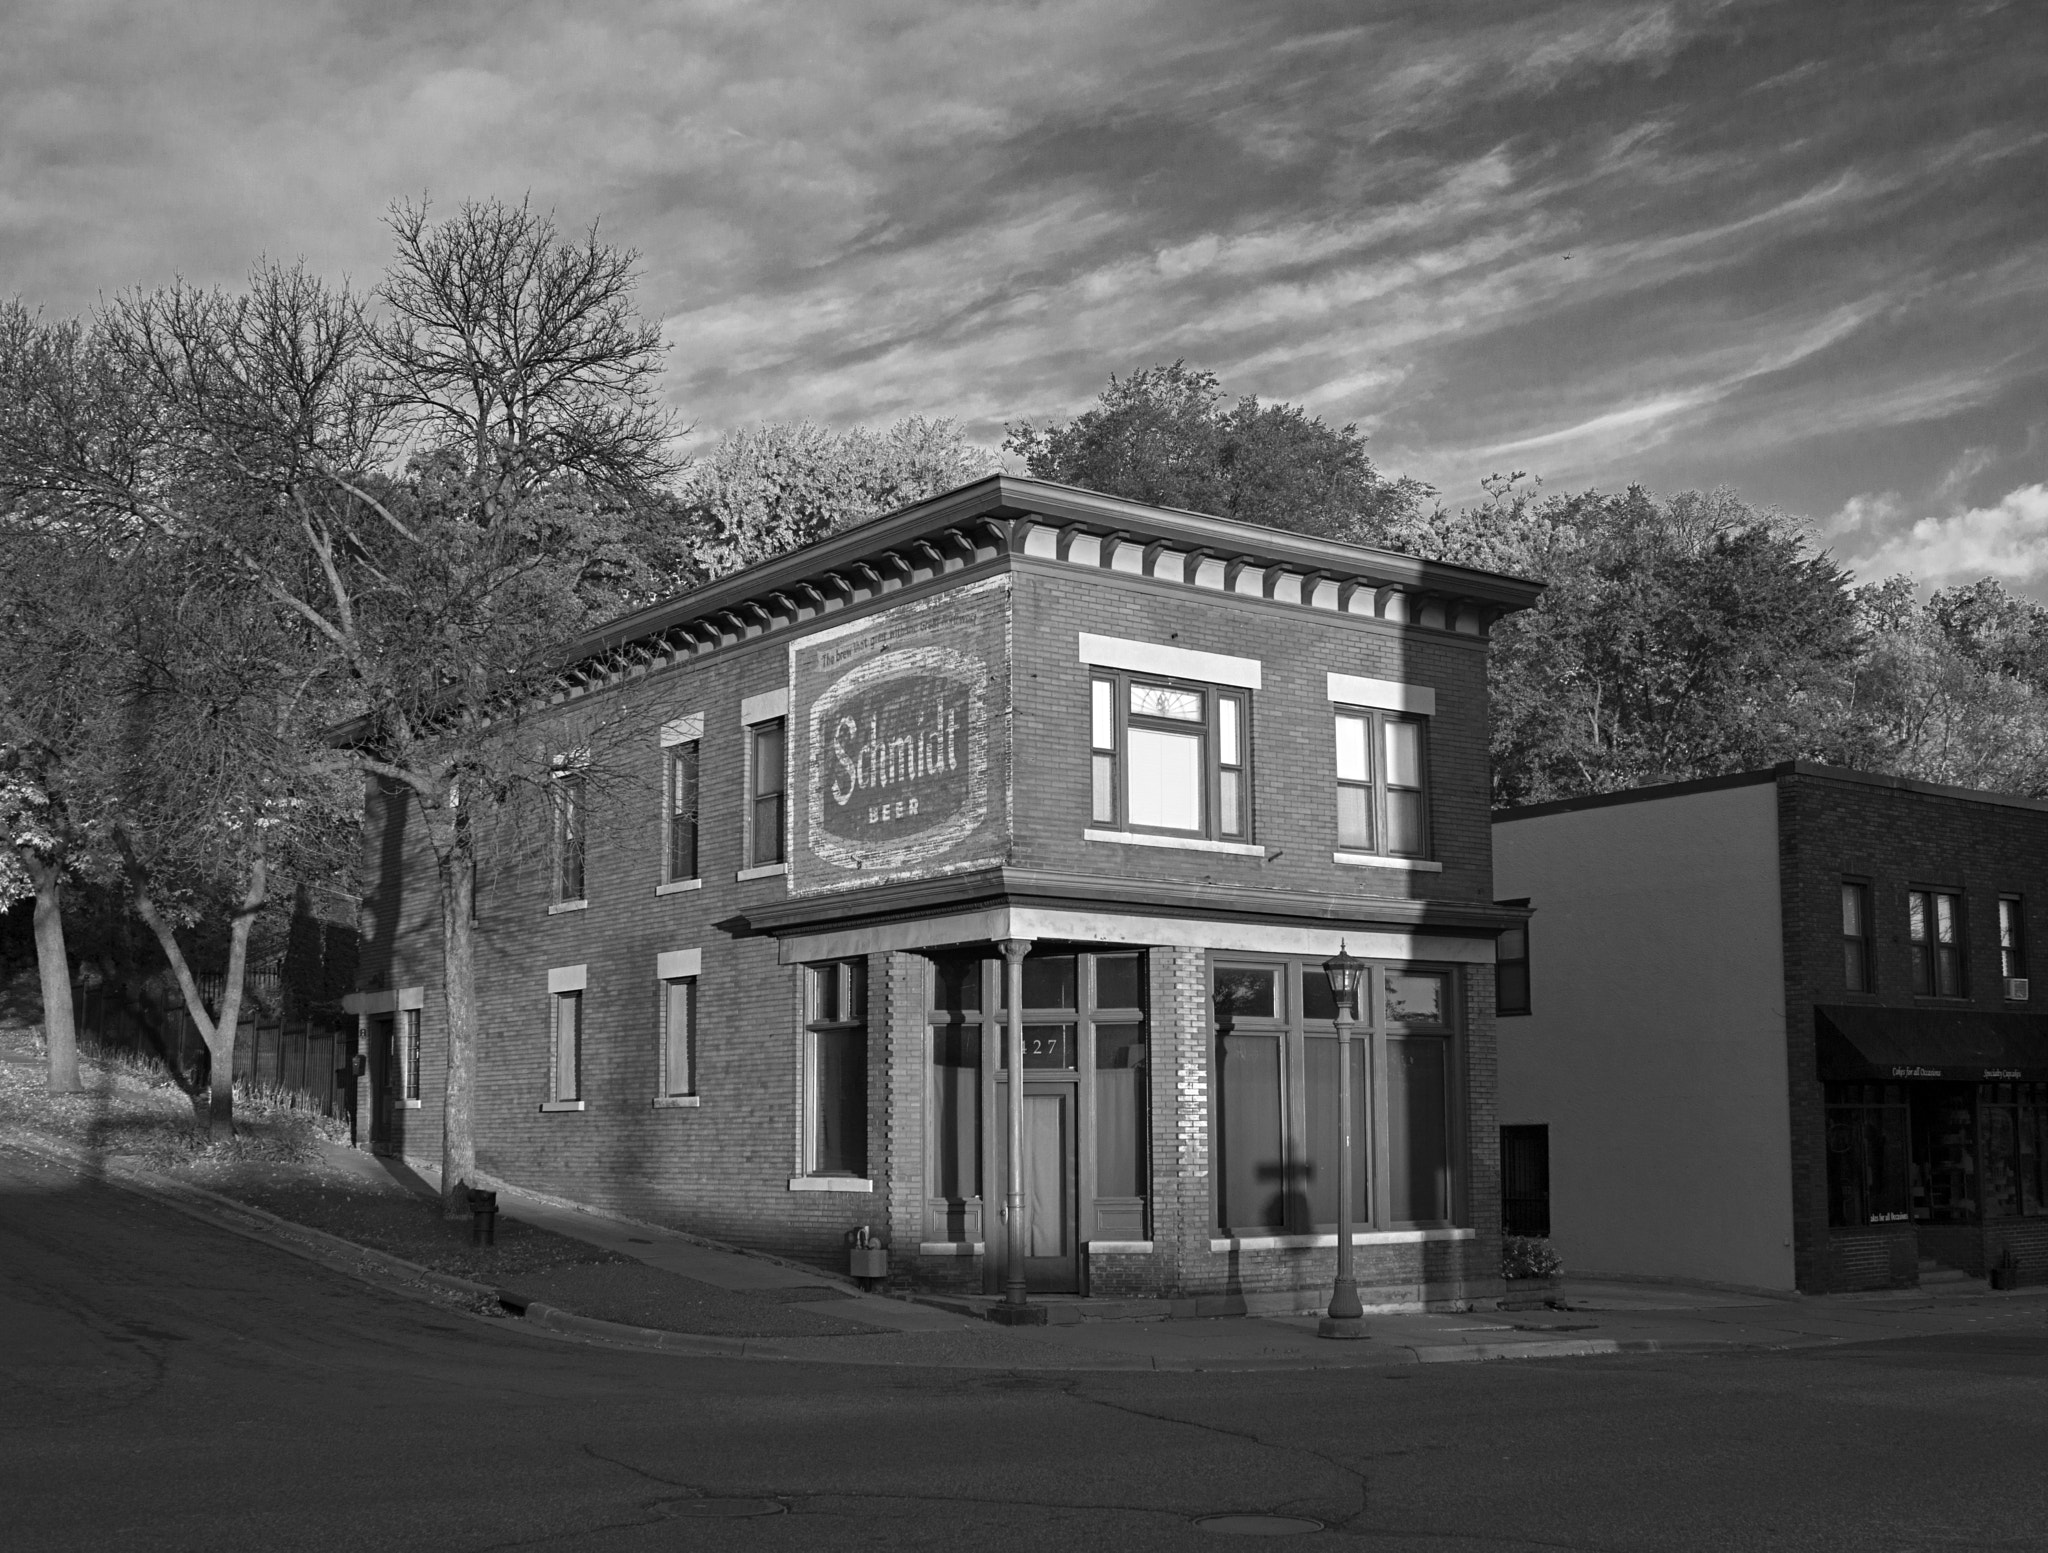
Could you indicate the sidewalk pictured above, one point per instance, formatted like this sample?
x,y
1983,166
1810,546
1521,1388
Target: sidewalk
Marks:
x,y
1594,1318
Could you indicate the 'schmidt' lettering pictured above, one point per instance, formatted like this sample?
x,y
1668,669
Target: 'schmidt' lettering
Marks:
x,y
874,752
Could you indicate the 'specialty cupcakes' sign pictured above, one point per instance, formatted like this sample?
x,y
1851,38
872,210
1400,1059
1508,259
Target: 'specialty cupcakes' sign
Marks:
x,y
892,720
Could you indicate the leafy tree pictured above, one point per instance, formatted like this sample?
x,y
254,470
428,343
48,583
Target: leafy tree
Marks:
x,y
1164,435
1953,690
1676,638
767,490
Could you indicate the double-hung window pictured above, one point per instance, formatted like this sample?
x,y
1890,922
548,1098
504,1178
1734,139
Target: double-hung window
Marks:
x,y
1382,767
409,1055
1856,958
1169,756
571,836
681,743
767,780
1380,788
2012,948
1935,934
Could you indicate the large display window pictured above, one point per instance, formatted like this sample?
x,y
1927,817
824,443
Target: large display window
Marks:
x,y
1276,1085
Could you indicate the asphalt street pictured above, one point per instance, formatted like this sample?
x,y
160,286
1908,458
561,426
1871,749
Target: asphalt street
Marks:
x,y
167,1384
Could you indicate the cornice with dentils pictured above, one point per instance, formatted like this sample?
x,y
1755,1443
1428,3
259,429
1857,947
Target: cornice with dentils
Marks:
x,y
914,541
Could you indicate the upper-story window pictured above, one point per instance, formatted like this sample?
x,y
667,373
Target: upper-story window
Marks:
x,y
767,780
1170,756
2012,947
1856,975
1381,802
1934,930
571,821
682,742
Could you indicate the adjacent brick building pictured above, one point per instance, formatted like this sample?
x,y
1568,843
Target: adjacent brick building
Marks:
x,y
760,994
1780,1029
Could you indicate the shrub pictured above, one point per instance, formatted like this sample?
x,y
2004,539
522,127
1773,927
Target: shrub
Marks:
x,y
1529,1256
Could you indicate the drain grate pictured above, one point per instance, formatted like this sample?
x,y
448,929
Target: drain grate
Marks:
x,y
1258,1525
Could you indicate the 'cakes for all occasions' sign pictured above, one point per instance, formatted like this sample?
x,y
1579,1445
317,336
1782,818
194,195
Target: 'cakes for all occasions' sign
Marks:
x,y
895,742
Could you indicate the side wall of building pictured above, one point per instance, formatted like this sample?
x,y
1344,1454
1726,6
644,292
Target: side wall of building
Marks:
x,y
1656,1052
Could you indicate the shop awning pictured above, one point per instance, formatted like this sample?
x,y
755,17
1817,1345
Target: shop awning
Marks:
x,y
1889,1044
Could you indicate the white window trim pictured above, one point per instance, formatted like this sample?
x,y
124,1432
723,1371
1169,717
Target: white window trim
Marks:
x,y
561,1105
677,1102
683,730
765,707
1129,1247
568,978
1116,652
561,906
678,886
761,871
1136,838
677,964
1417,865
830,1184
1382,695
389,1001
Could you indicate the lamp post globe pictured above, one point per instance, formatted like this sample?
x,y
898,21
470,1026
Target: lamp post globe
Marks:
x,y
1345,1318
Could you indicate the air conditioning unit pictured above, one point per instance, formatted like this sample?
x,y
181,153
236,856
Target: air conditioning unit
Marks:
x,y
2015,989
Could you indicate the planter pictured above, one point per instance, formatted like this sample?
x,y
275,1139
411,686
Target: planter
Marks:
x,y
868,1262
1528,1293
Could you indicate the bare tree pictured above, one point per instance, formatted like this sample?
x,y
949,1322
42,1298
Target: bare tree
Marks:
x,y
441,501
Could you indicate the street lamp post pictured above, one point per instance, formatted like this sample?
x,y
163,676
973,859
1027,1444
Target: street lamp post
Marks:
x,y
1346,1318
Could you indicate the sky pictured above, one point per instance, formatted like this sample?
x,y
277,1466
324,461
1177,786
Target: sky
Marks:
x,y
1797,248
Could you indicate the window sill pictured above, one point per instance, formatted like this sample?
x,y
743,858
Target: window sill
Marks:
x,y
410,1105
561,906
561,1105
676,887
1417,865
764,871
830,1184
1132,838
677,1102
1359,1237
950,1248
1119,1248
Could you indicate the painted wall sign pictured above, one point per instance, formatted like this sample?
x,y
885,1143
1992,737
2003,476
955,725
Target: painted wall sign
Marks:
x,y
897,748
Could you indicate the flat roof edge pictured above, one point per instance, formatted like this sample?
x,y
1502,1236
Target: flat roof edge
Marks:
x,y
1809,770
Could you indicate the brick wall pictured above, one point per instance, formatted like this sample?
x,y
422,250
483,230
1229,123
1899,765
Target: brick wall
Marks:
x,y
1293,780
722,1168
1831,828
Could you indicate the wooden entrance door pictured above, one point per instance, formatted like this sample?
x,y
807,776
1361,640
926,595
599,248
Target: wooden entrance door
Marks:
x,y
1052,1239
383,1077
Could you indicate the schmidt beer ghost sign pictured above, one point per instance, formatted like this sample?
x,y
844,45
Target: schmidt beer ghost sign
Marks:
x,y
893,719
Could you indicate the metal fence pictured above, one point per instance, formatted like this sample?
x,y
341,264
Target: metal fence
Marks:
x,y
295,1058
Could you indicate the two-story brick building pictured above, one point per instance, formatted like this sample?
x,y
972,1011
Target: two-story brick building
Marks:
x,y
1170,761
1778,1029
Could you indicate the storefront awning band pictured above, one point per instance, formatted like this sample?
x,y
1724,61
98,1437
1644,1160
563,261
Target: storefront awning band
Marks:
x,y
1887,1045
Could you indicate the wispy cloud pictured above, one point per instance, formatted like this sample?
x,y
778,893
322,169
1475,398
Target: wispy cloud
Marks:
x,y
1679,242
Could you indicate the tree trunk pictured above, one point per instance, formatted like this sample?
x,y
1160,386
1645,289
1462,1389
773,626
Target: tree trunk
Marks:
x,y
217,1032
458,967
60,1030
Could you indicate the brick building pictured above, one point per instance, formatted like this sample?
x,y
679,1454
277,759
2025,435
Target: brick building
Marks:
x,y
1174,760
1779,1029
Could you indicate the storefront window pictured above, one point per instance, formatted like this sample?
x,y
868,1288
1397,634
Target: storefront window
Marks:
x,y
1867,1137
1277,1123
2015,1149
